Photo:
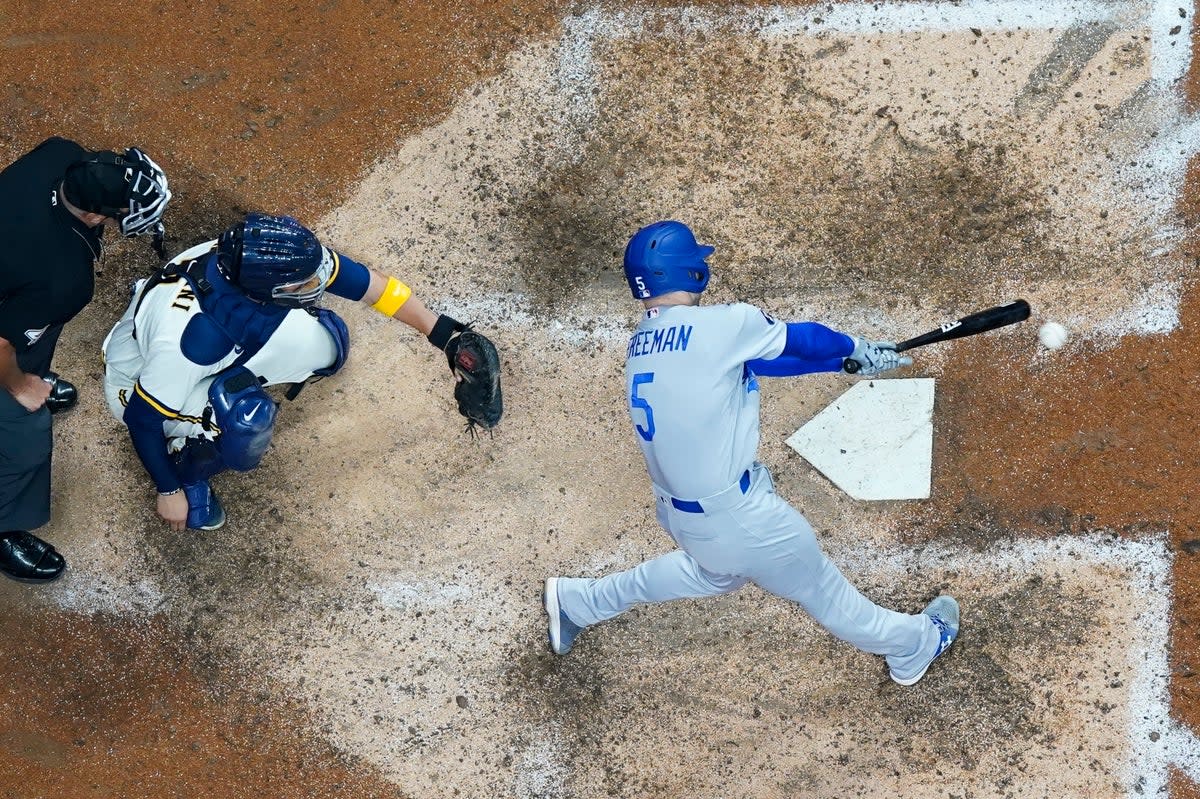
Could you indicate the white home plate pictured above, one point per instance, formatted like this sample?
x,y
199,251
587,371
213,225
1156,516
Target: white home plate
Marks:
x,y
875,441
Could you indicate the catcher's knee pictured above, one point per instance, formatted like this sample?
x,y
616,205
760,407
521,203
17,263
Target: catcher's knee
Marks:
x,y
198,459
245,415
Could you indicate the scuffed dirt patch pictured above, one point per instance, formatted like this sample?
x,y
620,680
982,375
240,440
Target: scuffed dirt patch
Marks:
x,y
100,707
807,714
843,174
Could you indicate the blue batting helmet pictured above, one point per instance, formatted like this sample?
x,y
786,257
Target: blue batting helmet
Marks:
x,y
275,259
665,257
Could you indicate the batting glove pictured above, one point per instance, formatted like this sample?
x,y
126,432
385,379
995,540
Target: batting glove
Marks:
x,y
874,357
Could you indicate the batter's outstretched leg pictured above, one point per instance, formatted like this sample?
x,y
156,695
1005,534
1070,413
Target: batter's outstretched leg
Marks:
x,y
793,566
581,602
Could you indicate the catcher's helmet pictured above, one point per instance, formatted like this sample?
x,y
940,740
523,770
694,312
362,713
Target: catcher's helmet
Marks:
x,y
129,188
665,257
275,259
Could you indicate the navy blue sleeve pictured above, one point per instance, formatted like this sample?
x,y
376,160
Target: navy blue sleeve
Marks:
x,y
790,366
349,279
146,431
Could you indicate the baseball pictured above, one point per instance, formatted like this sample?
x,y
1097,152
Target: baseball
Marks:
x,y
1053,335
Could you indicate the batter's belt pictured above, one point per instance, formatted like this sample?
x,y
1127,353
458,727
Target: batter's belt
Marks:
x,y
726,498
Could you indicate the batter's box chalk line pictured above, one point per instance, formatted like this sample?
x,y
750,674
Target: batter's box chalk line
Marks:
x,y
1156,742
1161,164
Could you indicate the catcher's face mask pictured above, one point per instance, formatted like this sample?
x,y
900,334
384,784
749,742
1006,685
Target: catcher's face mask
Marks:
x,y
308,291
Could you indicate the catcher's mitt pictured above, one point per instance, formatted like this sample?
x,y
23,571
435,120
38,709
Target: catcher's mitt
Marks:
x,y
476,365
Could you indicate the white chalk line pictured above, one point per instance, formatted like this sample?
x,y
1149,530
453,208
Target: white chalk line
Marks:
x,y
1156,742
1154,183
1183,751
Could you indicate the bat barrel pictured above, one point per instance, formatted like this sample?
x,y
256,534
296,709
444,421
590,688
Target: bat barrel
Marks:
x,y
970,325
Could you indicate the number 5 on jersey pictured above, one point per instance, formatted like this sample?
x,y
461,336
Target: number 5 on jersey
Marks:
x,y
640,379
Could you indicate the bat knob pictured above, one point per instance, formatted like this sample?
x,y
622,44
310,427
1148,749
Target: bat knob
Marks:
x,y
851,366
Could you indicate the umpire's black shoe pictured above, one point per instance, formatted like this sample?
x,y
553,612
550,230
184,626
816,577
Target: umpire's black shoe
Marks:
x,y
25,557
63,395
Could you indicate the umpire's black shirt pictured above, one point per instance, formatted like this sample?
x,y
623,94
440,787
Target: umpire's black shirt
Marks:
x,y
47,255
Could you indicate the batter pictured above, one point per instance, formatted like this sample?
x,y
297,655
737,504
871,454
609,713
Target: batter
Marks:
x,y
691,378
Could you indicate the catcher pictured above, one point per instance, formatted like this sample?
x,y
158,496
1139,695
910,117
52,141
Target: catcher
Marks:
x,y
186,365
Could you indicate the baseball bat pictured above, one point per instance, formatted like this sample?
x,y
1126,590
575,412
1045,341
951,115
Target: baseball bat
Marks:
x,y
969,325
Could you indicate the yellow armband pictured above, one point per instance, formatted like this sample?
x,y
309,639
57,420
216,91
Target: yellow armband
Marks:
x,y
394,296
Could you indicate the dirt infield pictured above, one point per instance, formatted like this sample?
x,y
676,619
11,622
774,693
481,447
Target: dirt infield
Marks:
x,y
368,623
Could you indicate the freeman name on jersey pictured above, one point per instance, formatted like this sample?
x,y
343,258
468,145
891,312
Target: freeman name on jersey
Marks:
x,y
668,339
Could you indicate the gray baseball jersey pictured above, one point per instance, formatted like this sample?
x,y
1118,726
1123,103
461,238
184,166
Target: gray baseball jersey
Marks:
x,y
694,405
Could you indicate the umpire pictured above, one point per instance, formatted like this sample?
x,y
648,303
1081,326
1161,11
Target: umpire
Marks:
x,y
54,205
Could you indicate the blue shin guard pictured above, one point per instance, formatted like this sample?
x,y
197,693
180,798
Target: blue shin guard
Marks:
x,y
204,509
194,465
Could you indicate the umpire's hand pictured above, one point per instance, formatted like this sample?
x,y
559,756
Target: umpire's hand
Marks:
x,y
31,391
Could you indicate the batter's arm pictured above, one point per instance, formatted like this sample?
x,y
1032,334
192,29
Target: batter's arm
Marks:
x,y
810,347
791,366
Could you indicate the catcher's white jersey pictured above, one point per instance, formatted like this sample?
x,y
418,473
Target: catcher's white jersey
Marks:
x,y
694,404
145,351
